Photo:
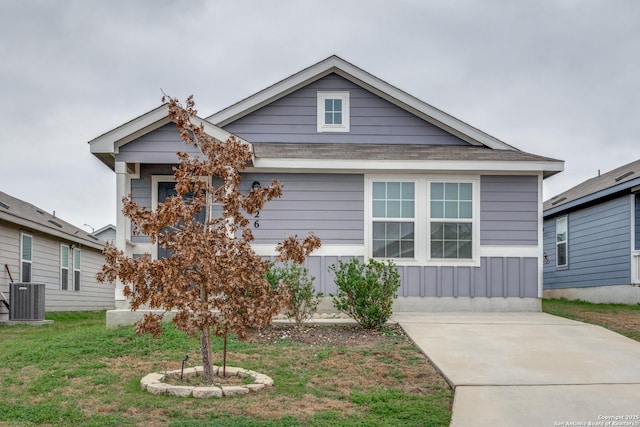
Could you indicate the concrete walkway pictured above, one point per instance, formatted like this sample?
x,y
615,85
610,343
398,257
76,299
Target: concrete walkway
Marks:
x,y
530,369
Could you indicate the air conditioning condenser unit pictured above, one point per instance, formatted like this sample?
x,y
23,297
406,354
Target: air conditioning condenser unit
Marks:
x,y
26,301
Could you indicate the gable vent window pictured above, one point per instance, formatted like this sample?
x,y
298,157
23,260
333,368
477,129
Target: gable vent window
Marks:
x,y
333,112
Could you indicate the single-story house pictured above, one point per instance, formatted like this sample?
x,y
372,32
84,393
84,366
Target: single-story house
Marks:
x,y
592,239
374,172
38,247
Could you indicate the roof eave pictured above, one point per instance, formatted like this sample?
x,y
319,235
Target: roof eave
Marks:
x,y
20,221
593,197
547,168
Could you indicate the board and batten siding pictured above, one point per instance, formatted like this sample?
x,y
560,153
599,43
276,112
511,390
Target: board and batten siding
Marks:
x,y
509,210
496,277
599,245
293,119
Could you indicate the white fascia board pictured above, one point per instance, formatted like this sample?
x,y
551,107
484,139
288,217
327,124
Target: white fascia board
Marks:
x,y
406,165
106,143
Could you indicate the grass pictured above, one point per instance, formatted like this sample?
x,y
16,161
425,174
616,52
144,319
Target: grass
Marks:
x,y
621,318
78,373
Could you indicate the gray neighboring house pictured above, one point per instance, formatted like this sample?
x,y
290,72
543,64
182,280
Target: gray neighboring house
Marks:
x,y
38,247
592,239
374,172
106,233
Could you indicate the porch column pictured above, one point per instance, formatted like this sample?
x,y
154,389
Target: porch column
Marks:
x,y
121,227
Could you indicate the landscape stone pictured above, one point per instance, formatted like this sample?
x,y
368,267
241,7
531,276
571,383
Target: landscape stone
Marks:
x,y
232,390
205,392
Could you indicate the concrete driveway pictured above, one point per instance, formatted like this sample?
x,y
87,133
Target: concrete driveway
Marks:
x,y
530,369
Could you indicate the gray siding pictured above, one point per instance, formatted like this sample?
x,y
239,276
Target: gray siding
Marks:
x,y
599,247
293,119
330,205
496,277
158,146
46,269
509,210
637,221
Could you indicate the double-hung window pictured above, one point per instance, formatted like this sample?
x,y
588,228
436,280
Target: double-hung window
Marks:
x,y
64,267
562,250
76,269
451,220
420,219
26,257
333,112
393,212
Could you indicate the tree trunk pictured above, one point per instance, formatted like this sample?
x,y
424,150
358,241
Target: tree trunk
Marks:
x,y
207,355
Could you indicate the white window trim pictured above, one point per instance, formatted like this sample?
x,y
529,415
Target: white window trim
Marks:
x,y
475,220
64,267
322,126
22,260
566,242
422,218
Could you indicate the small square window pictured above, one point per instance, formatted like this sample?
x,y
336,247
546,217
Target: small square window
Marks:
x,y
333,111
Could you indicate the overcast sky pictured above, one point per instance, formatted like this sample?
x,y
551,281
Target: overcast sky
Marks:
x,y
555,78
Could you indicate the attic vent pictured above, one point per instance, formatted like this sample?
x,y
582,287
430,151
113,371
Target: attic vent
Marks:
x,y
624,175
4,205
94,237
562,199
57,224
39,211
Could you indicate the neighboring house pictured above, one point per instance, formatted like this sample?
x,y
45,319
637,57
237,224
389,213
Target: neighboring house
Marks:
x,y
38,247
592,239
374,172
106,233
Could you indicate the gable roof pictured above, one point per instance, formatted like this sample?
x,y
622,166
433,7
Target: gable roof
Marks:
x,y
337,65
25,214
623,179
107,145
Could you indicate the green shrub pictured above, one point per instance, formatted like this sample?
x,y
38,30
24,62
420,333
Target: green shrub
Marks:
x,y
366,291
304,298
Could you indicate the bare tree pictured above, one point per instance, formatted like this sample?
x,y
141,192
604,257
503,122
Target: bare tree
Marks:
x,y
211,278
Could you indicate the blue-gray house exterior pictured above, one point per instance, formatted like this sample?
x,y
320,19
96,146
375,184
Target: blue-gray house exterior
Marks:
x,y
330,177
598,258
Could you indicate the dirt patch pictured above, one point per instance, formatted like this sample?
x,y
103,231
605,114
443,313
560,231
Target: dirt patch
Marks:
x,y
349,335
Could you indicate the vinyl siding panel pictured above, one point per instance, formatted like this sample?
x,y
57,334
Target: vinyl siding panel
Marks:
x,y
599,245
9,256
637,221
158,146
293,119
46,270
509,210
330,205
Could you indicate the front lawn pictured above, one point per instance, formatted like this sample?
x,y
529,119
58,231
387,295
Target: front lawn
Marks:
x,y
621,318
76,372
